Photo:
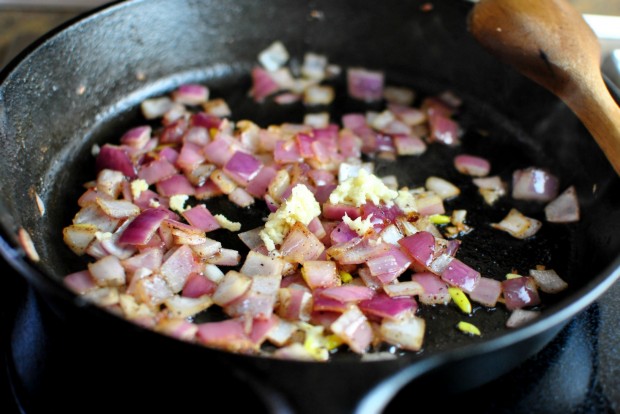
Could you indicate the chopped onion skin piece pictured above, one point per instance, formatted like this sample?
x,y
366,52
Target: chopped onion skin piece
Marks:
x,y
520,317
518,225
548,280
564,208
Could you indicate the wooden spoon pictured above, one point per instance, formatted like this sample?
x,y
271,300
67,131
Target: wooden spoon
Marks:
x,y
550,42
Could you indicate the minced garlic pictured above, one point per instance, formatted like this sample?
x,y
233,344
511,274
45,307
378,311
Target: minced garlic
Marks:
x,y
300,207
358,225
177,202
226,223
362,188
137,187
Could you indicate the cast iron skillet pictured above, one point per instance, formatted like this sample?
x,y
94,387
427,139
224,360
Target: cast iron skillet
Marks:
x,y
81,86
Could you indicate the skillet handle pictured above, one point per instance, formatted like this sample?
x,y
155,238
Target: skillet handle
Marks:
x,y
354,387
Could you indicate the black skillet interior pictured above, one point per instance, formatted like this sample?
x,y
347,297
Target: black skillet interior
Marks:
x,y
82,87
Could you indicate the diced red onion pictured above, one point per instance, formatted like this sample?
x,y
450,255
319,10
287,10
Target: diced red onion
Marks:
x,y
353,328
263,85
118,208
409,145
429,203
178,328
191,94
357,251
399,95
108,271
220,150
207,249
410,116
229,334
348,293
173,132
320,274
382,306
80,282
443,188
257,264
232,287
177,184
157,170
534,184
185,307
435,289
519,317
389,265
152,290
443,129
242,167
241,197
190,156
115,158
491,188
143,227
147,259
406,333
459,274
294,304
155,107
137,137
342,233
337,211
201,218
300,245
472,165
520,292
287,152
226,257
421,248
408,288
518,225
486,292
564,208
273,57
197,135
177,267
548,280
365,85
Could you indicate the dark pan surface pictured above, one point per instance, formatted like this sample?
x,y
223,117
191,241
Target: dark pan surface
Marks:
x,y
83,85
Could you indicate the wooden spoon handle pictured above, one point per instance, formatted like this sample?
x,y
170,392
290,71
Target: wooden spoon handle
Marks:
x,y
600,114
